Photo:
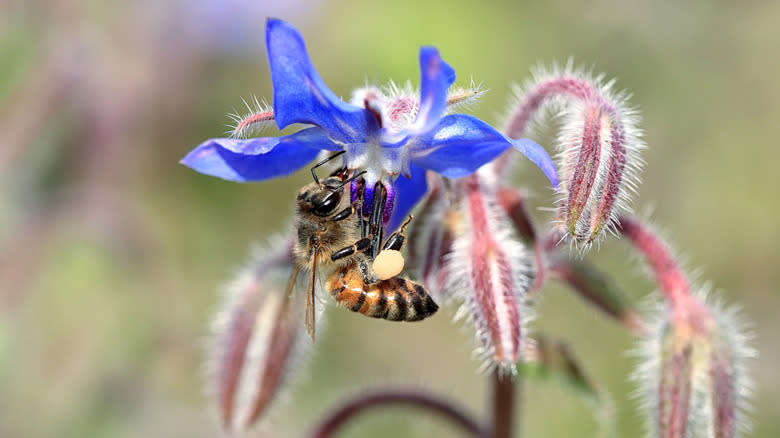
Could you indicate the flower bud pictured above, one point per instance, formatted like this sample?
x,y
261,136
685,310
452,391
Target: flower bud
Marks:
x,y
692,373
595,161
254,340
598,144
692,369
489,269
431,239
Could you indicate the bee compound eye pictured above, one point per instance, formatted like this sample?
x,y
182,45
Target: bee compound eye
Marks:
x,y
327,204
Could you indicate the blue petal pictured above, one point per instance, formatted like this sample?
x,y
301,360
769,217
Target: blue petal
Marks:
x,y
213,158
408,192
300,95
538,156
313,137
436,77
250,146
458,146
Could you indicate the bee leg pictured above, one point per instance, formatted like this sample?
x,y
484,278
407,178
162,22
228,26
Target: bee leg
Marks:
x,y
375,221
396,240
359,246
364,221
343,214
363,226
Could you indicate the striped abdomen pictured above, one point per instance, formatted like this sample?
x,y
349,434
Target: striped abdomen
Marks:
x,y
395,299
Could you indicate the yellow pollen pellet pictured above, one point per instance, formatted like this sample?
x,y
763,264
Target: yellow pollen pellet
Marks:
x,y
388,263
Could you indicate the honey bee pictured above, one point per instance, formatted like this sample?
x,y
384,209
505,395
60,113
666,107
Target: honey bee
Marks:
x,y
334,239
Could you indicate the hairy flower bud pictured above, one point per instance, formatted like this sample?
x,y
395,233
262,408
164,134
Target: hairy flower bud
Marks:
x,y
692,372
489,268
254,341
431,239
598,144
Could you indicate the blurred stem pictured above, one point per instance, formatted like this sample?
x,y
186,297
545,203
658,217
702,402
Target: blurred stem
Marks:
x,y
505,403
671,279
385,398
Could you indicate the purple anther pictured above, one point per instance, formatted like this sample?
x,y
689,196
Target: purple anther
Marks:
x,y
354,190
368,199
389,202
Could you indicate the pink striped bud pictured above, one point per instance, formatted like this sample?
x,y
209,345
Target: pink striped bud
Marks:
x,y
254,341
598,144
692,373
489,268
692,370
431,239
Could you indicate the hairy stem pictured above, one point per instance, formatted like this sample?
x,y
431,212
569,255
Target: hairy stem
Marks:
x,y
563,85
384,398
670,277
505,403
518,122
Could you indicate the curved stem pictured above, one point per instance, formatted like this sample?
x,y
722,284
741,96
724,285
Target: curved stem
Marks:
x,y
389,397
541,268
596,289
516,125
505,401
563,85
670,277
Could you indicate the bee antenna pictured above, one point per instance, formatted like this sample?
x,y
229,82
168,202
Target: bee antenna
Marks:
x,y
314,174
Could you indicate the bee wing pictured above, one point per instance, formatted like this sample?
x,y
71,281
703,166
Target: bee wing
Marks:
x,y
292,281
310,294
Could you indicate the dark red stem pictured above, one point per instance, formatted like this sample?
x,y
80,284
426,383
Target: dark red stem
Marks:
x,y
518,122
390,397
569,85
670,278
513,203
504,403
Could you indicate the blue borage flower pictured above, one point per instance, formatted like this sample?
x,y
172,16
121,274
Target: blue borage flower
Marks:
x,y
386,136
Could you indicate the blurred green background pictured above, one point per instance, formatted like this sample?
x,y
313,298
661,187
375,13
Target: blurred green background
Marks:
x,y
112,254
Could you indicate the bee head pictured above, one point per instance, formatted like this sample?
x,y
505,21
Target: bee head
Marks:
x,y
322,199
